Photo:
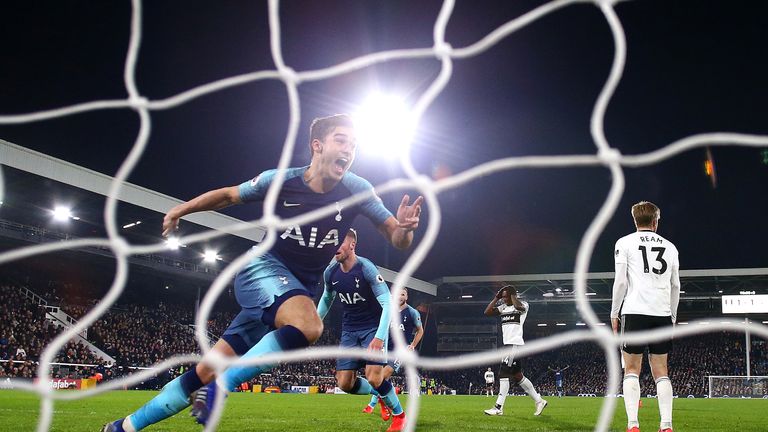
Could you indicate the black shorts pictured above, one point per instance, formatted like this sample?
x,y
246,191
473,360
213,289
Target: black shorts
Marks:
x,y
510,366
635,323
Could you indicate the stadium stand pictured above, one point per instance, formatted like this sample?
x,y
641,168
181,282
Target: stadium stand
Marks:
x,y
139,335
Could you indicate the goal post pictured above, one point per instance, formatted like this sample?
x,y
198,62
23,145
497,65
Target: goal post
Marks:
x,y
733,386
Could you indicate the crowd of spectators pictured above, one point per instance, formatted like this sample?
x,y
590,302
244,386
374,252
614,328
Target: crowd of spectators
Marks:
x,y
691,361
139,336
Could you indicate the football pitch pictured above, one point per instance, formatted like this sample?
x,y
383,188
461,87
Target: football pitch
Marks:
x,y
320,412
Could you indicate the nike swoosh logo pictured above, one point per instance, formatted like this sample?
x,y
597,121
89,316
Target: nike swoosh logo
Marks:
x,y
334,283
287,204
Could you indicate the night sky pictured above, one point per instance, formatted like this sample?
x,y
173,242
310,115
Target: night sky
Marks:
x,y
693,66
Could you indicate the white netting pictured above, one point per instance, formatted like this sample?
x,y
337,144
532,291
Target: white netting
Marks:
x,y
605,156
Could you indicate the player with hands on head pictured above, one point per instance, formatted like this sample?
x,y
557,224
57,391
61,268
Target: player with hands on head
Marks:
x,y
409,322
275,290
365,324
513,312
646,291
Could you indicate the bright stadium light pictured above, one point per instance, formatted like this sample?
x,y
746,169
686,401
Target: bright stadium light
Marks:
x,y
560,324
541,324
62,213
211,256
466,296
385,126
172,243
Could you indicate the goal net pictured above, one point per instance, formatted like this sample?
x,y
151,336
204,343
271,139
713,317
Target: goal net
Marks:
x,y
738,386
603,155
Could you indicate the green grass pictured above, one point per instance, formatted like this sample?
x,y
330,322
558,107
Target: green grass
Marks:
x,y
296,412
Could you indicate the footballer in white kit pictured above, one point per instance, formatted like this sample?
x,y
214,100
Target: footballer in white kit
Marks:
x,y
646,291
490,379
512,311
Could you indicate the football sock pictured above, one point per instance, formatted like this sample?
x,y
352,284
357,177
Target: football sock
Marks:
x,y
664,395
374,401
363,387
172,399
283,339
503,390
631,389
389,396
526,385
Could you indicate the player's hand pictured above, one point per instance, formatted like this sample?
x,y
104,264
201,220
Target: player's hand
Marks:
x,y
615,325
171,222
376,345
411,347
498,294
408,215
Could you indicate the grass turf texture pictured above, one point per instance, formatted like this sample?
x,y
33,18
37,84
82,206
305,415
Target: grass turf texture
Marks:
x,y
297,412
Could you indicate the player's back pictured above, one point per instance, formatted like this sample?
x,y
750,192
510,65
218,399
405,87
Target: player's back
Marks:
x,y
652,261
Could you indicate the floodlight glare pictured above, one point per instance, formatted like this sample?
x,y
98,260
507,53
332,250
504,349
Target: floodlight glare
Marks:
x,y
61,213
172,243
384,125
211,256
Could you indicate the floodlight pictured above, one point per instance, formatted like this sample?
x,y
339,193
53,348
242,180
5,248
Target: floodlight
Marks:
x,y
131,225
210,256
173,243
384,126
466,296
62,213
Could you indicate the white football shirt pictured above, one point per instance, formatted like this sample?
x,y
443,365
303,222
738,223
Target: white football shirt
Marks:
x,y
652,275
489,377
512,323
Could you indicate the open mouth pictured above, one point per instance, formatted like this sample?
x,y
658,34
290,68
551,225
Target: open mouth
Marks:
x,y
341,164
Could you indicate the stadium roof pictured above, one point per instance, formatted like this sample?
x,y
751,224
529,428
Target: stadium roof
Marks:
x,y
139,204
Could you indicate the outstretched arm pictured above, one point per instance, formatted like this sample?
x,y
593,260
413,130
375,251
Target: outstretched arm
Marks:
x,y
399,231
211,200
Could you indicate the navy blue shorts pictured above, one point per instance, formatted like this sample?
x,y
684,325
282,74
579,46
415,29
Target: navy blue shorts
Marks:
x,y
260,288
394,364
357,339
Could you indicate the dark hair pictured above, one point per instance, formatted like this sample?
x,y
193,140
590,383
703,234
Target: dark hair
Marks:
x,y
322,126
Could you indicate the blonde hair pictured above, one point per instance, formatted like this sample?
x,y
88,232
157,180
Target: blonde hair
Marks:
x,y
645,213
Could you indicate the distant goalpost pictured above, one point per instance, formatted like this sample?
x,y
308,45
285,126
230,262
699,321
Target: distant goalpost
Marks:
x,y
738,387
